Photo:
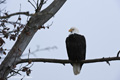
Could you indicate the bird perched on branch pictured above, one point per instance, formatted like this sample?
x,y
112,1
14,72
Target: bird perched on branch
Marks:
x,y
76,49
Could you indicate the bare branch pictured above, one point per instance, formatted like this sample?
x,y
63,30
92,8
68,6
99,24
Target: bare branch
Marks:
x,y
35,2
10,22
17,13
32,4
118,53
40,49
68,61
40,6
2,1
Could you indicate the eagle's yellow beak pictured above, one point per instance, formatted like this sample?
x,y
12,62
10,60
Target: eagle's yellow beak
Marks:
x,y
70,30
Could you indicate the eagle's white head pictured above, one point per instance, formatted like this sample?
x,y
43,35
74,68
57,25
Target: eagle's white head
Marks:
x,y
74,30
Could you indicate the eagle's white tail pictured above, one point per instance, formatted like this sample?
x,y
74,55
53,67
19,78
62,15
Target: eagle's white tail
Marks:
x,y
76,68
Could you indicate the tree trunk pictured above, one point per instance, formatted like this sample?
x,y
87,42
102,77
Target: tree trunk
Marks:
x,y
37,20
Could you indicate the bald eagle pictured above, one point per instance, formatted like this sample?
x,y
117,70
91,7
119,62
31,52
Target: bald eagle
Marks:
x,y
76,49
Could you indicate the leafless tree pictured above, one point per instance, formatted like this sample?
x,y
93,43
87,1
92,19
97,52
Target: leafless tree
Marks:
x,y
23,33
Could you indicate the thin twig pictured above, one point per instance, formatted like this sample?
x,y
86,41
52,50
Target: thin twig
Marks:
x,y
32,4
40,49
41,4
14,73
10,22
118,53
17,13
35,2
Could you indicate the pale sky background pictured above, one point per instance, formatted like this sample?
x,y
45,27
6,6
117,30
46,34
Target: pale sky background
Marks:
x,y
97,20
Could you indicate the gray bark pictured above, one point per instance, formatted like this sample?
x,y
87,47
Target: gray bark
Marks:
x,y
37,20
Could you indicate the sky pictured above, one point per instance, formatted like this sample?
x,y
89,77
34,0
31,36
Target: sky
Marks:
x,y
97,20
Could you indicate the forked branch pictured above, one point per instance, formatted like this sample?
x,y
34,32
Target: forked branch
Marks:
x,y
14,14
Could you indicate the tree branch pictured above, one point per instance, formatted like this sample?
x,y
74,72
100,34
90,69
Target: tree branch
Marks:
x,y
14,14
2,1
32,4
40,6
10,22
68,61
